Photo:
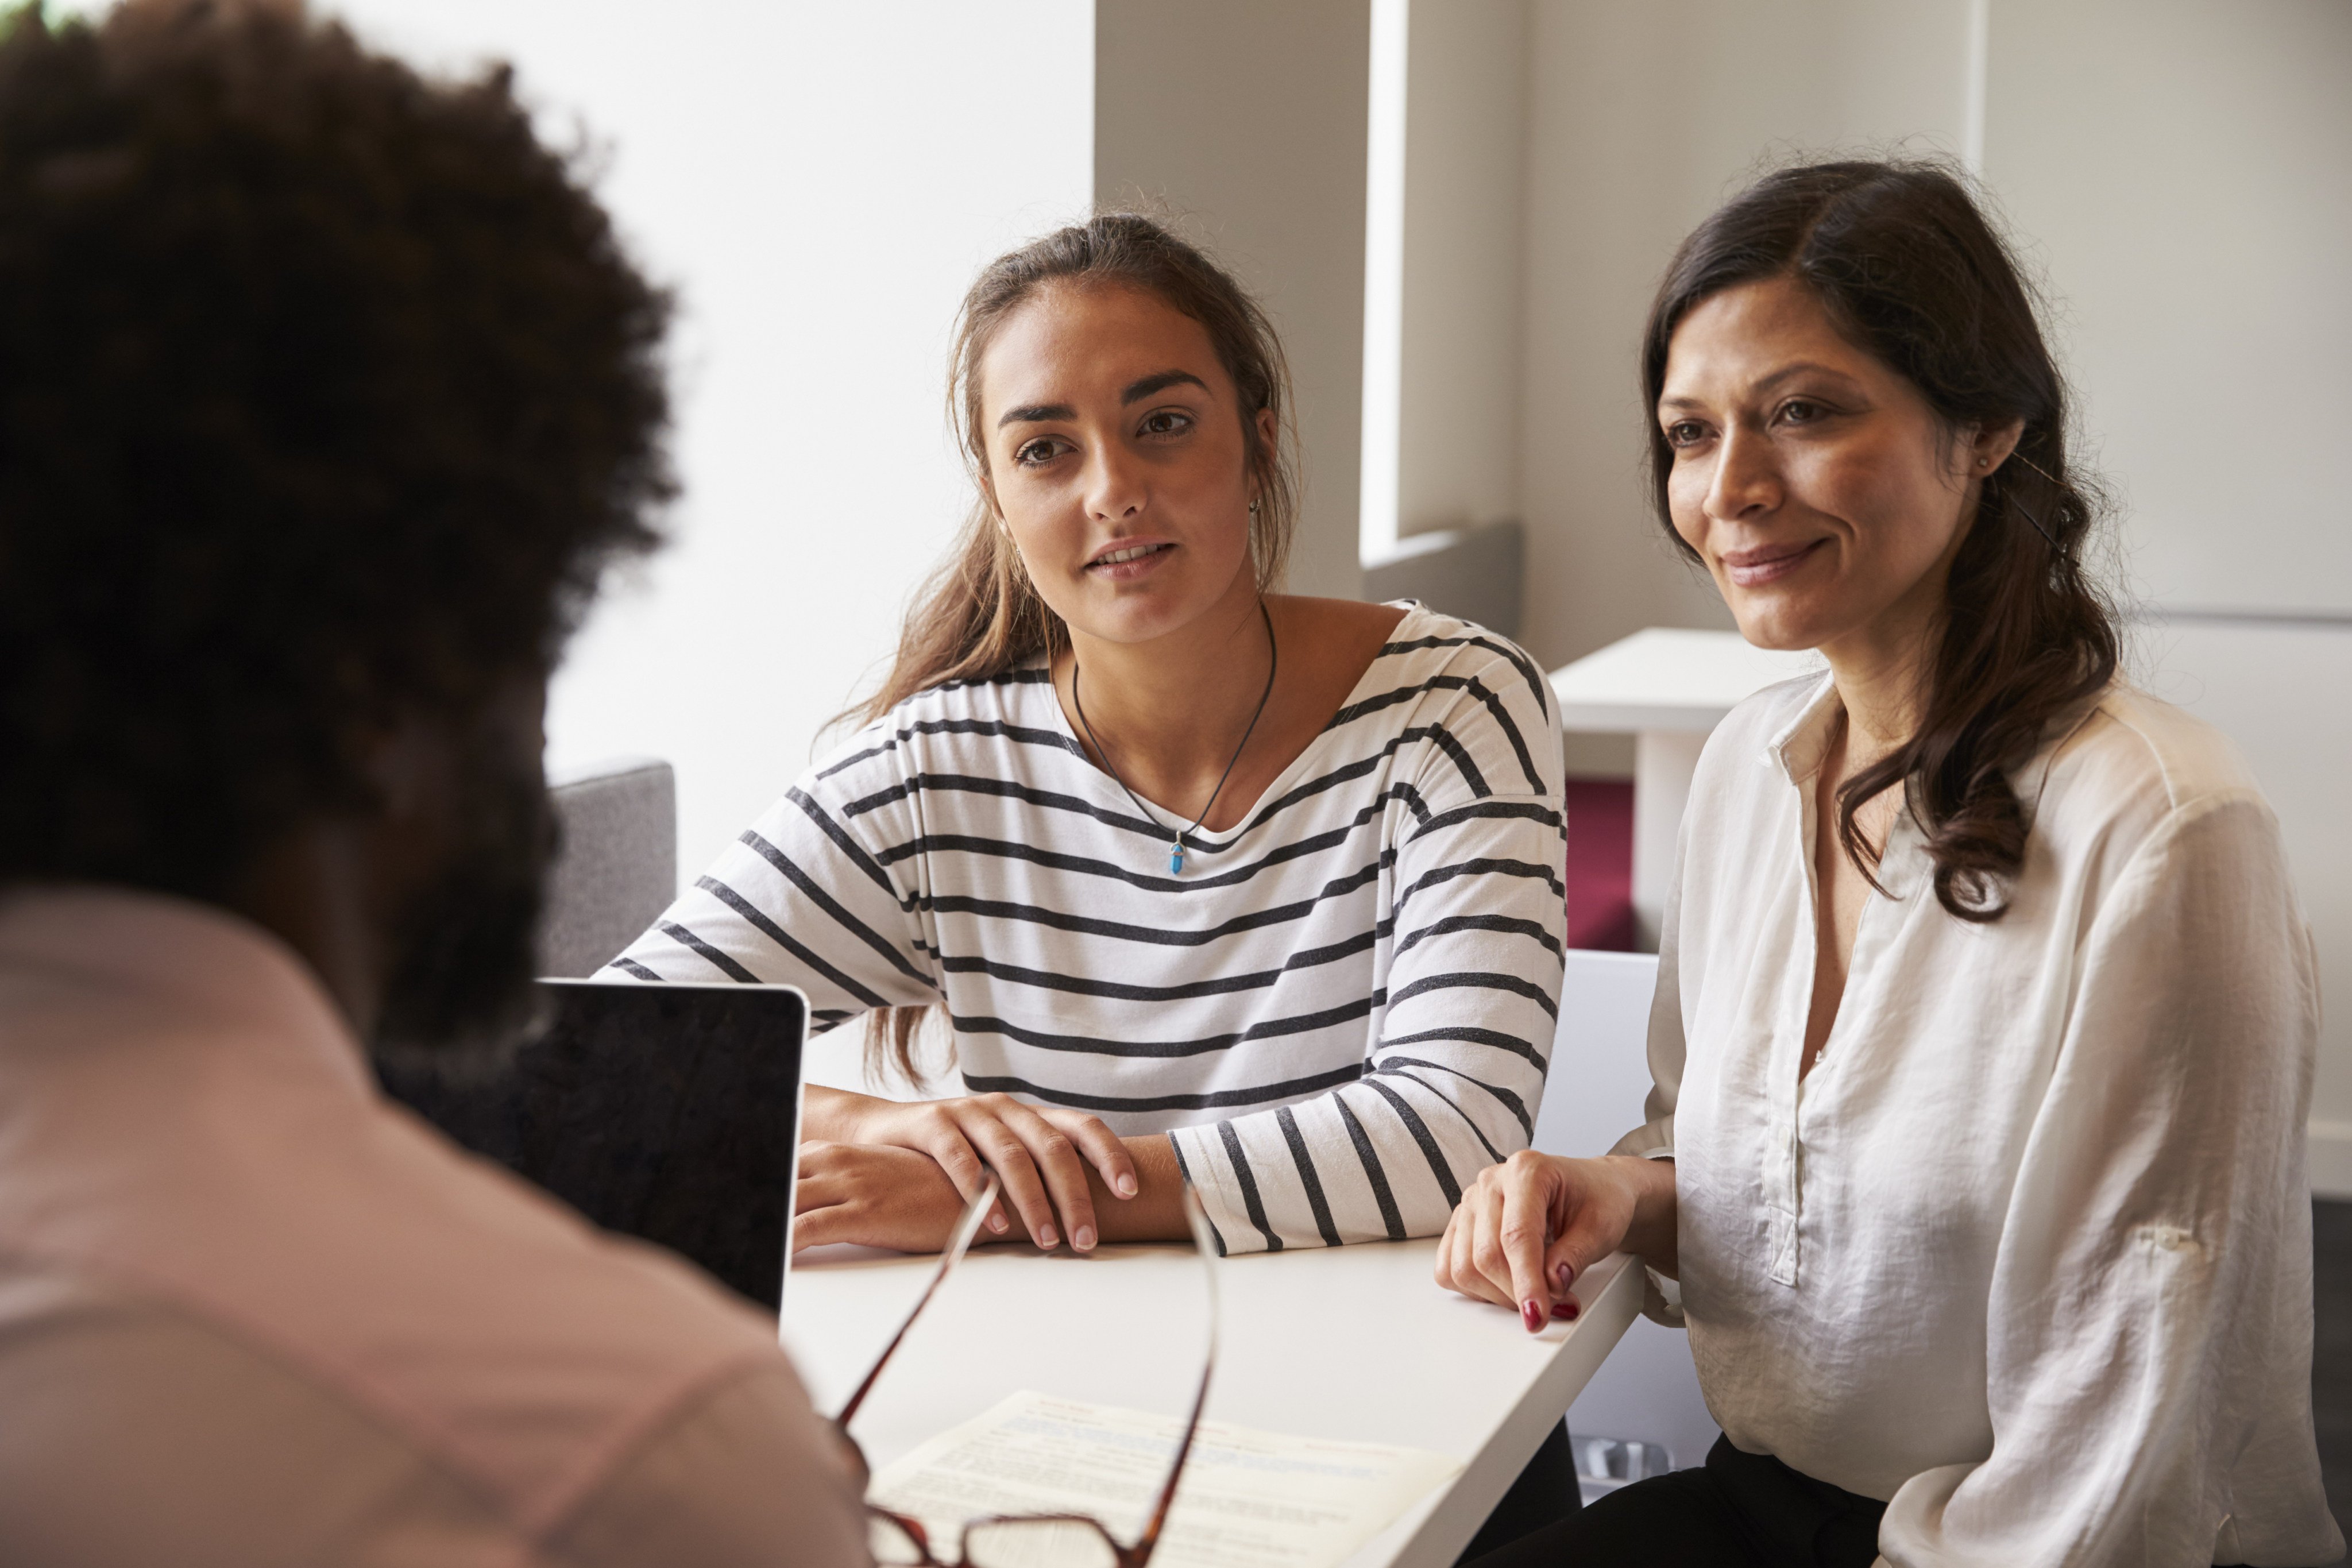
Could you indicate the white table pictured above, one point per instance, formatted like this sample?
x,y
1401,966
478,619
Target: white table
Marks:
x,y
1351,1342
1669,688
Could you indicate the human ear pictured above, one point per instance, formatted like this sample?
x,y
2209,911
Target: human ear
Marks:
x,y
1989,447
1267,430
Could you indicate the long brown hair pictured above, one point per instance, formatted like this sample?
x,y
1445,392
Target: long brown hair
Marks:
x,y
979,616
1910,271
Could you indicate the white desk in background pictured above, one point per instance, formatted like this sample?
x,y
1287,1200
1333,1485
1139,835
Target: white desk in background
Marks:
x,y
1351,1342
1668,689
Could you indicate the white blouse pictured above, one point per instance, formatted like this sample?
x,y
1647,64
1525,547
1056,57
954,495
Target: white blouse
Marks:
x,y
2028,1252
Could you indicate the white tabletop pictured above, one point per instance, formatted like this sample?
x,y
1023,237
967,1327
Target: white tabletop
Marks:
x,y
1668,679
1351,1342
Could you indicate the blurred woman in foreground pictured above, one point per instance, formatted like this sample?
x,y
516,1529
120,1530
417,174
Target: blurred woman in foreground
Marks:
x,y
1986,1015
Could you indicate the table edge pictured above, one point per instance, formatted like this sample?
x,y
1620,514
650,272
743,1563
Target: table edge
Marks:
x,y
1433,1532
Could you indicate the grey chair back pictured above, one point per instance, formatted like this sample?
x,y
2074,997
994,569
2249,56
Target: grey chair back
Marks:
x,y
617,867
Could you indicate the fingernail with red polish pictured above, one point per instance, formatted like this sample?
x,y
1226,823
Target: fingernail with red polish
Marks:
x,y
1531,1314
1566,1310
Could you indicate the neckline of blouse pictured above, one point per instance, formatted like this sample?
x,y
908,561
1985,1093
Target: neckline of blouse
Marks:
x,y
1202,838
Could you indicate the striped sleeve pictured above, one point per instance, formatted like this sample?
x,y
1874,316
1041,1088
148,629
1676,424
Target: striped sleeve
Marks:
x,y
1454,1071
800,898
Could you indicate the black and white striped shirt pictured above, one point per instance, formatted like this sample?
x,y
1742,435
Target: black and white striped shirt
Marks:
x,y
1342,1009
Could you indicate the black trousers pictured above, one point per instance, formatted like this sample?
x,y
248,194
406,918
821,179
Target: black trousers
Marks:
x,y
1545,1493
1740,1510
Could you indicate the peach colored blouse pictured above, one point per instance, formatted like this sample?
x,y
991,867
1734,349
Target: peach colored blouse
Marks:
x,y
252,1314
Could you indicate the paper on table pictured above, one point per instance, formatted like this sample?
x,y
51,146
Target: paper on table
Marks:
x,y
1248,1500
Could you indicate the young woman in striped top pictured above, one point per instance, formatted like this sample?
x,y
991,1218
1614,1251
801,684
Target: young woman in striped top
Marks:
x,y
1209,883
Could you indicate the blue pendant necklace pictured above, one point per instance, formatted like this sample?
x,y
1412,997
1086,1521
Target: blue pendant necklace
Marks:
x,y
1176,844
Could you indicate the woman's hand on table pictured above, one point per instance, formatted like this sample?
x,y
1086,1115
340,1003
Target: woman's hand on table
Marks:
x,y
1042,1156
871,1195
1527,1227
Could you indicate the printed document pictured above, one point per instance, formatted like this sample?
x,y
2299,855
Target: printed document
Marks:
x,y
1248,1500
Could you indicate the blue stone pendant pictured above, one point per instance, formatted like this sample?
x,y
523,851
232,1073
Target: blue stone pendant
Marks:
x,y
1176,859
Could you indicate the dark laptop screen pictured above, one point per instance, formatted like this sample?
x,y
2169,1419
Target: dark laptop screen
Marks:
x,y
668,1113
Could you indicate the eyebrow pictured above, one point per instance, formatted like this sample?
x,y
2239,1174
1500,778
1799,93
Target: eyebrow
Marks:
x,y
1136,390
1799,368
1783,373
1139,389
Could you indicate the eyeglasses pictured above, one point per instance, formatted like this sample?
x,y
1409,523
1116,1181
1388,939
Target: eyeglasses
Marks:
x,y
1036,1539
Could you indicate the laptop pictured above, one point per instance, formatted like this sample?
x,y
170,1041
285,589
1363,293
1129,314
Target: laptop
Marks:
x,y
667,1112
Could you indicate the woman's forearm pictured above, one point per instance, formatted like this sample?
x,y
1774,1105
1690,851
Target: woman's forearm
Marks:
x,y
1156,1212
1651,1235
833,1115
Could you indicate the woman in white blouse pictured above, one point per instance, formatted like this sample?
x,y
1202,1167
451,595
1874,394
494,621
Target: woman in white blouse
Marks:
x,y
1986,1013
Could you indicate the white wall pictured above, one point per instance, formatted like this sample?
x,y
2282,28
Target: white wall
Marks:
x,y
2183,171
819,189
1464,186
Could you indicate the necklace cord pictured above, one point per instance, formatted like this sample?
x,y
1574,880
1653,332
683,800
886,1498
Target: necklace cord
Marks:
x,y
1273,663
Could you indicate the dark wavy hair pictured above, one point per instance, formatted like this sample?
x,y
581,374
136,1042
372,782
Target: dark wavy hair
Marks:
x,y
326,395
1909,270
